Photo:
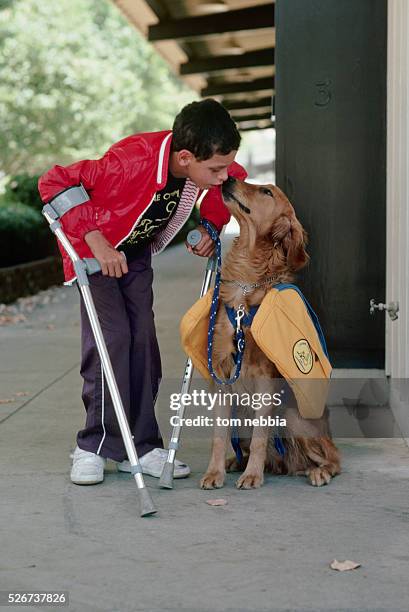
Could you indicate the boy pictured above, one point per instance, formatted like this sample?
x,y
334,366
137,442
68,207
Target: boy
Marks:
x,y
136,199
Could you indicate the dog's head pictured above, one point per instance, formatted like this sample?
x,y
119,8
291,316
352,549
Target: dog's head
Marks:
x,y
265,214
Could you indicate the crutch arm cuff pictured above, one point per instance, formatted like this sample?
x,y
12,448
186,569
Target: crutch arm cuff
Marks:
x,y
69,198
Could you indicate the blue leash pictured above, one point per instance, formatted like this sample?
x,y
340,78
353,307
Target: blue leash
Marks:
x,y
240,342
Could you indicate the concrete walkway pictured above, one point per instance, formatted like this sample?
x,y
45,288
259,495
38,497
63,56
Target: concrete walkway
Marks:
x,y
268,549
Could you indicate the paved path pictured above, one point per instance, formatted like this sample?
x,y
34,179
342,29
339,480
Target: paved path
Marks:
x,y
268,549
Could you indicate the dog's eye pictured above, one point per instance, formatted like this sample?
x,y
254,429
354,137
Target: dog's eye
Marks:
x,y
267,192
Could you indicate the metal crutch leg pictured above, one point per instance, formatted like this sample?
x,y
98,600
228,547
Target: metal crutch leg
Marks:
x,y
83,267
166,479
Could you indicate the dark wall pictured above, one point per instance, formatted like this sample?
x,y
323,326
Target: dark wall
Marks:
x,y
331,161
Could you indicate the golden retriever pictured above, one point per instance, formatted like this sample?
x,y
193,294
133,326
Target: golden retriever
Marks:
x,y
271,243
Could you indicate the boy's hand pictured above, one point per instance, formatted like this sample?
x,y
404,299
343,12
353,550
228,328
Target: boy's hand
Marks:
x,y
205,248
113,263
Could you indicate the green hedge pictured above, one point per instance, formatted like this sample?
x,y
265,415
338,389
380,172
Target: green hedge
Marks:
x,y
24,235
22,189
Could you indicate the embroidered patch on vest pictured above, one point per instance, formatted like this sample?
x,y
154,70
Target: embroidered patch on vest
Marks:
x,y
303,356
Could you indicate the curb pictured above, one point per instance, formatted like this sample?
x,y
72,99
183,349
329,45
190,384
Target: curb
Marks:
x,y
29,278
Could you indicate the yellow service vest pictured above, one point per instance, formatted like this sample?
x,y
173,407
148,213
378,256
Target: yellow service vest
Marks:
x,y
284,331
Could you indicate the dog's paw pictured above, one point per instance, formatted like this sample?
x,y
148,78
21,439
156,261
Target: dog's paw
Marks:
x,y
212,480
250,481
318,476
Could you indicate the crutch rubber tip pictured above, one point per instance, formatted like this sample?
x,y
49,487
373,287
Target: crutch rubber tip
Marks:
x,y
146,503
166,479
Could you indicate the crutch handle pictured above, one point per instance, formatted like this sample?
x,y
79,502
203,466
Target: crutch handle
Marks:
x,y
92,265
194,237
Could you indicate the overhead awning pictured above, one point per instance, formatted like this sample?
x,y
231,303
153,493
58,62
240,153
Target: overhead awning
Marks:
x,y
223,49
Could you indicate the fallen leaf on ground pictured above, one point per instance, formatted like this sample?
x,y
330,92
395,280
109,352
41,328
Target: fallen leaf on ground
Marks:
x,y
7,400
21,393
216,502
11,319
344,566
10,314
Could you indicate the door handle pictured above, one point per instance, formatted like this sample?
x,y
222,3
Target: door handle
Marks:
x,y
392,308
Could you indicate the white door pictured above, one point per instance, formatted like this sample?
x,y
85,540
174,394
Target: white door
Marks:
x,y
397,279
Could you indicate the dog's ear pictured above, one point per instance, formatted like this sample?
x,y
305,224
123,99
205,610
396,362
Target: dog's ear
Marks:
x,y
290,234
294,243
281,227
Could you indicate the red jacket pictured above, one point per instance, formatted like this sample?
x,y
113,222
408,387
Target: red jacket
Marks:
x,y
121,186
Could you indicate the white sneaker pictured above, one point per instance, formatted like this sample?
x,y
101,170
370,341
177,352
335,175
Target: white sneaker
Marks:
x,y
87,468
152,464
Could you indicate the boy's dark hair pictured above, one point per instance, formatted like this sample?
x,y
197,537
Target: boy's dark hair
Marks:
x,y
205,128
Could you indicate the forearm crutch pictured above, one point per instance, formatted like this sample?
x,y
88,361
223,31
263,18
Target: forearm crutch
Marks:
x,y
83,268
166,479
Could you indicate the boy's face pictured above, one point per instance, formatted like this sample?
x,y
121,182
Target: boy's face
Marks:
x,y
208,173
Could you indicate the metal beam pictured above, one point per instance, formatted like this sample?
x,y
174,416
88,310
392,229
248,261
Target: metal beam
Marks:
x,y
256,127
158,8
214,89
243,104
252,18
252,117
222,63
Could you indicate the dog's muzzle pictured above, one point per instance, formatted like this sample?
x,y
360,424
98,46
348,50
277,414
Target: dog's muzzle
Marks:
x,y
227,190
